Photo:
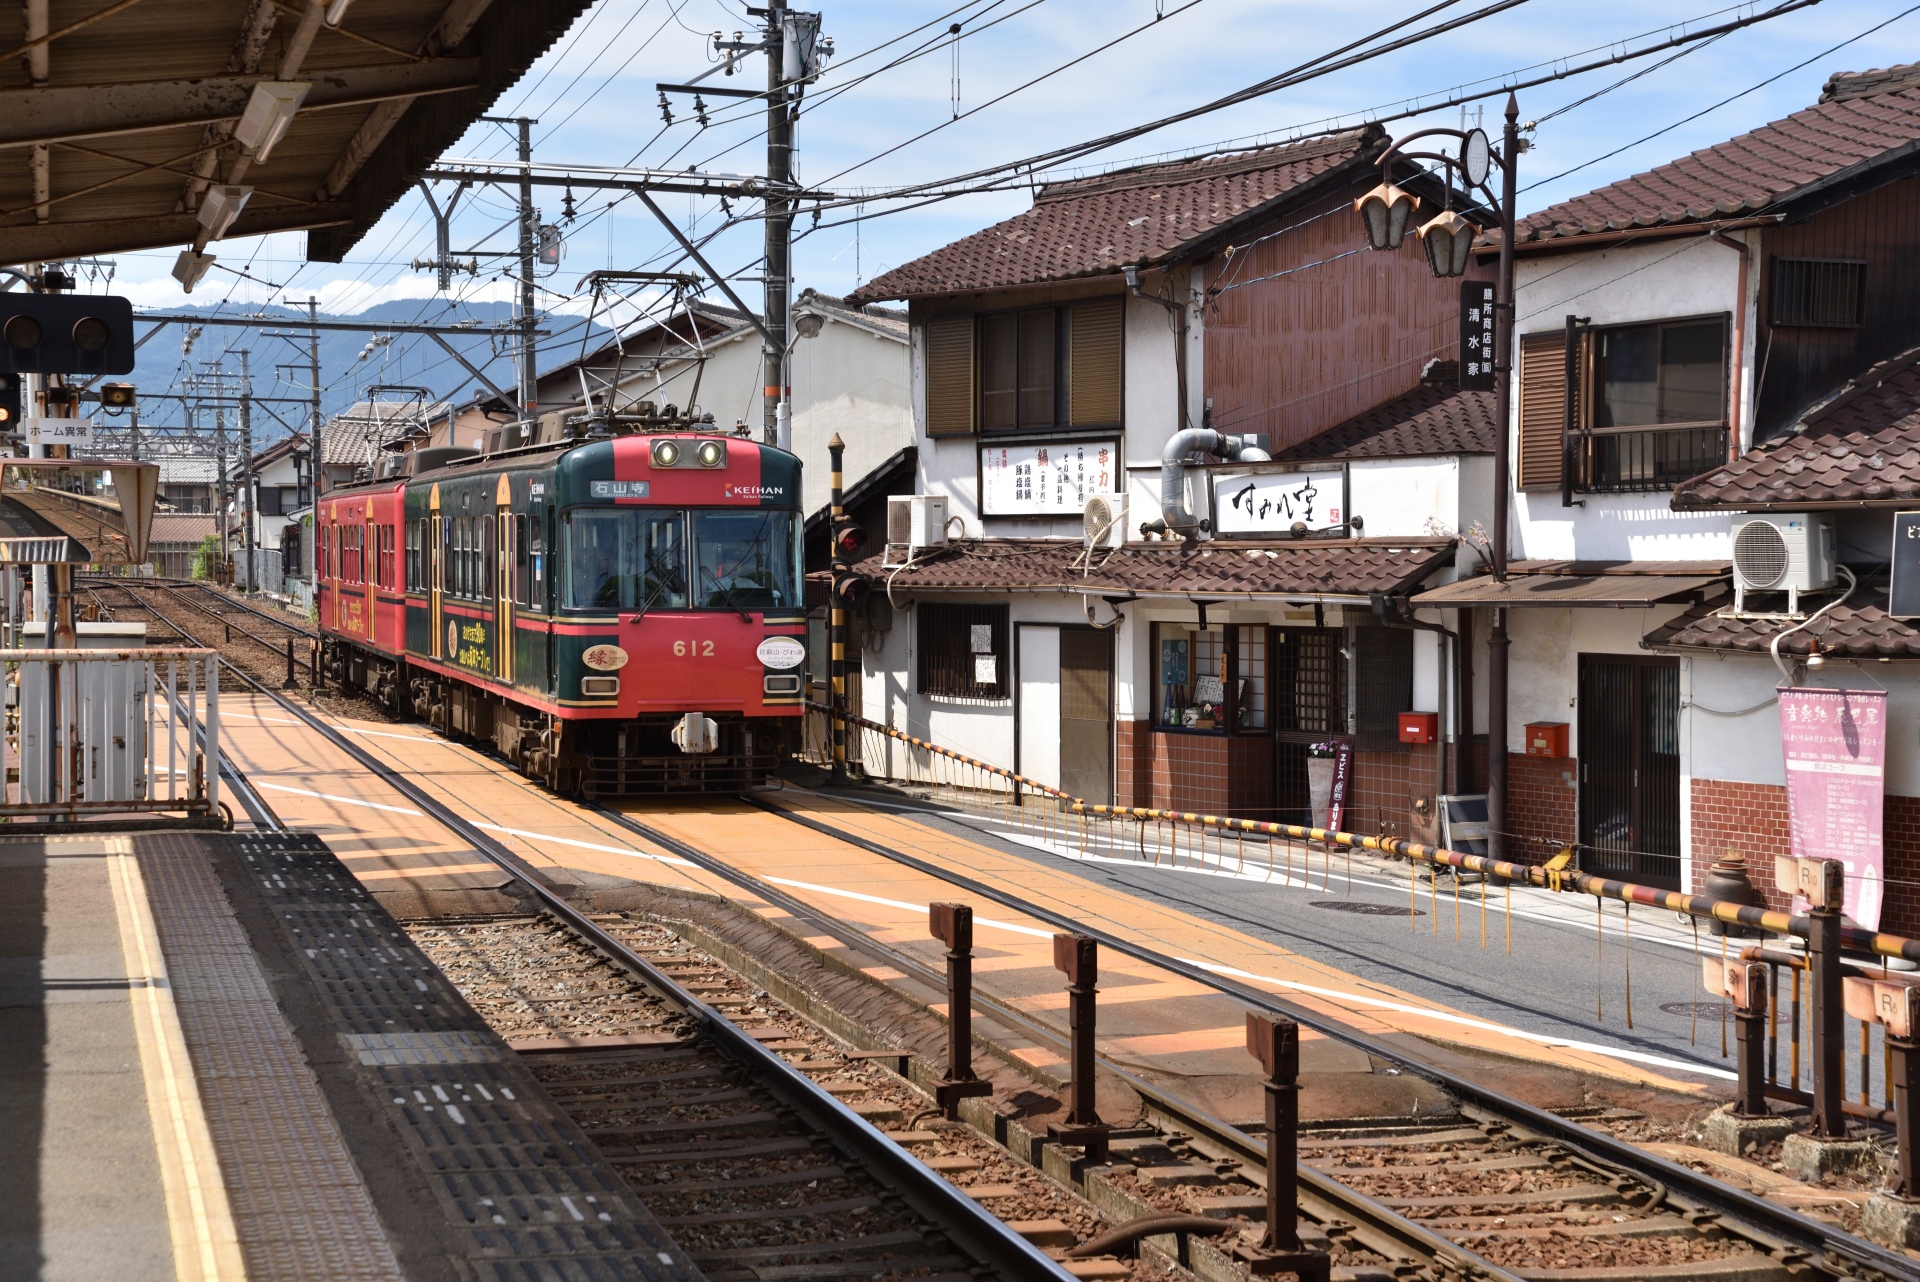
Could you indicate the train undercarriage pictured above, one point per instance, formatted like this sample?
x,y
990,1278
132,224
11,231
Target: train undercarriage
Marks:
x,y
591,758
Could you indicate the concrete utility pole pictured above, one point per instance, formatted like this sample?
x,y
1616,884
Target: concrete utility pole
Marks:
x,y
779,216
247,533
313,388
529,235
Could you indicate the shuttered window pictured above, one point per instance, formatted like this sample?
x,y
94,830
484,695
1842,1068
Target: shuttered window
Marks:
x,y
1094,346
1819,291
950,377
1543,395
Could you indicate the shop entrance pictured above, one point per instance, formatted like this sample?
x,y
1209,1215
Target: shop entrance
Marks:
x,y
1630,767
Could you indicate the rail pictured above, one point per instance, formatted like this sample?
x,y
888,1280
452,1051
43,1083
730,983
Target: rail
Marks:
x,y
111,732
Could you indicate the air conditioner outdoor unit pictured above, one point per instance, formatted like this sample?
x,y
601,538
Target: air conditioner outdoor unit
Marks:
x,y
1781,552
915,523
1106,521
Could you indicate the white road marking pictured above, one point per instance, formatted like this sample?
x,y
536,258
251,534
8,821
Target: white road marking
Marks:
x,y
900,903
1466,1021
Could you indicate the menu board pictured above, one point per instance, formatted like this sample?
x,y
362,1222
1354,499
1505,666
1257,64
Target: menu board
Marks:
x,y
1046,480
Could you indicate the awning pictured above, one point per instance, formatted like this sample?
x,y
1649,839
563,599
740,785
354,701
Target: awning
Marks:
x,y
1566,590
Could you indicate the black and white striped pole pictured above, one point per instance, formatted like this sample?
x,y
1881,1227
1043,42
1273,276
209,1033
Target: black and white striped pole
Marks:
x,y
837,624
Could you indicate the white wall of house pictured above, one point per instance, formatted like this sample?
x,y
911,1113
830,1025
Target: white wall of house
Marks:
x,y
852,379
1746,748
1544,676
1659,279
1406,497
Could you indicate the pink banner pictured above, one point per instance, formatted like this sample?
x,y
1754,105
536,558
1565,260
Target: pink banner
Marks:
x,y
1836,753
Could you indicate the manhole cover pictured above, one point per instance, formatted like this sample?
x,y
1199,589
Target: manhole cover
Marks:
x,y
1697,1010
1363,908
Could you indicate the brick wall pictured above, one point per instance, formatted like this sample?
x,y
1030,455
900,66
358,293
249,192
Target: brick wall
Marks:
x,y
1752,819
1541,803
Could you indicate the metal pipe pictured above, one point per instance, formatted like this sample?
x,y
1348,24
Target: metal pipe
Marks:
x,y
1176,516
1750,1031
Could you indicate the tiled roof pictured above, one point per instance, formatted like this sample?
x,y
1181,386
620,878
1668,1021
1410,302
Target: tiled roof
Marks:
x,y
1431,419
1341,568
1092,226
891,321
1861,446
181,527
1857,631
1864,119
355,436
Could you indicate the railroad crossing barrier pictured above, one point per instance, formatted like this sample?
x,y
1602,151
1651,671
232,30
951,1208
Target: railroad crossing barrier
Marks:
x,y
1276,1044
952,925
1078,957
112,731
1744,984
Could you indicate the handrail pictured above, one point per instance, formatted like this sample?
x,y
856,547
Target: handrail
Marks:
x,y
1567,881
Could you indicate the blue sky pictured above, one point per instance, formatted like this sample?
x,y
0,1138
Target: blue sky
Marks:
x,y
594,94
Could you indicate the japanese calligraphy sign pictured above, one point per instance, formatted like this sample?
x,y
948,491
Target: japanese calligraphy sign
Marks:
x,y
1836,756
1046,480
1270,502
1476,336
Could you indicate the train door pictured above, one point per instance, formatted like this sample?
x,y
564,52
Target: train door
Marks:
x,y
436,553
547,585
504,563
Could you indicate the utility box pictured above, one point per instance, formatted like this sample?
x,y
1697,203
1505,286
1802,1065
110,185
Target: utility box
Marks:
x,y
1419,727
106,702
1546,738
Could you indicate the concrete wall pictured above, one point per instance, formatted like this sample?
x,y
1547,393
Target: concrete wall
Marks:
x,y
855,381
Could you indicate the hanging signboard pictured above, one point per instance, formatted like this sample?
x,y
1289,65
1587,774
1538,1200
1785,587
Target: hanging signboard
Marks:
x,y
1476,336
1046,480
1904,600
1836,757
59,431
1272,502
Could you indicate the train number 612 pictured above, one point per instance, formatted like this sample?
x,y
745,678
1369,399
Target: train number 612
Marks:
x,y
699,649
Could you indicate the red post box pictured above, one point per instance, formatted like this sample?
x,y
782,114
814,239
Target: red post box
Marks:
x,y
1419,727
1546,738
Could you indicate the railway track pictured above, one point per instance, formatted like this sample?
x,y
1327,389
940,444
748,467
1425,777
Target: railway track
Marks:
x,y
1490,1188
197,614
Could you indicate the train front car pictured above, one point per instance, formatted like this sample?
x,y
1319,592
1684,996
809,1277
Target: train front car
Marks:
x,y
655,604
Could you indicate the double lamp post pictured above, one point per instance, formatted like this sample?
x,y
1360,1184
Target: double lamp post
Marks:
x,y
1386,212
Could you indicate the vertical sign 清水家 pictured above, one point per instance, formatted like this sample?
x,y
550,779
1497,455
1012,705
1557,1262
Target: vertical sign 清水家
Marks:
x,y
1836,757
1476,336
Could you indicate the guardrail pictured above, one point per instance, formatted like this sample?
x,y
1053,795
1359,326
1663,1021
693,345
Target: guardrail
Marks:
x,y
111,731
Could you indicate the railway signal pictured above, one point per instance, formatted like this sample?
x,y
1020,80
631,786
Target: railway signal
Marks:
x,y
66,334
848,539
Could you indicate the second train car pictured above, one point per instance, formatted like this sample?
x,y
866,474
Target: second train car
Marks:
x,y
613,615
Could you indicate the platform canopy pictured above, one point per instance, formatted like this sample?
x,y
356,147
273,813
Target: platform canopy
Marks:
x,y
117,115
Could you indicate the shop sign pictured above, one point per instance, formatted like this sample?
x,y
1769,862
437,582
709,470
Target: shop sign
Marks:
x,y
1836,756
1273,502
1046,480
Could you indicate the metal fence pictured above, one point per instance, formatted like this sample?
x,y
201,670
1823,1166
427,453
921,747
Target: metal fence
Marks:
x,y
111,732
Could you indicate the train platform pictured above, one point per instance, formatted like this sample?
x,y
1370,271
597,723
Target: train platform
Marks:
x,y
222,1059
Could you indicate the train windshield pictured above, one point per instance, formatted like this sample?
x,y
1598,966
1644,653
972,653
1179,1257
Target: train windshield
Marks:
x,y
746,559
638,559
626,559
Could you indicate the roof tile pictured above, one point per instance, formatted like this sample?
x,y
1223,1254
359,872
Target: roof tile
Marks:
x,y
1431,419
1092,226
1858,631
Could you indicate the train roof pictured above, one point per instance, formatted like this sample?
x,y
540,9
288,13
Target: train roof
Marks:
x,y
526,456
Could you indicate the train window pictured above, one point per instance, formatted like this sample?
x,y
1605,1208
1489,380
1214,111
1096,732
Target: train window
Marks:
x,y
520,567
488,560
462,560
413,554
537,561
383,568
744,559
626,559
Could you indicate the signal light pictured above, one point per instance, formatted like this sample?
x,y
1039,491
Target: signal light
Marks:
x,y
66,334
10,385
850,590
849,539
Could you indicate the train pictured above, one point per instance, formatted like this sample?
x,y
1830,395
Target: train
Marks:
x,y
612,612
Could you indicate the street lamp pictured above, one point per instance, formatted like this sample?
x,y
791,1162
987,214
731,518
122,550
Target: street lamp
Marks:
x,y
805,325
1448,240
1384,212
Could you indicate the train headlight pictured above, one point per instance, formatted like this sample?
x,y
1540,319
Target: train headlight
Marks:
x,y
666,453
711,454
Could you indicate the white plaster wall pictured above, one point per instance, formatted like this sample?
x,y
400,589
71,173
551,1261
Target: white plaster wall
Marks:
x,y
850,380
1426,672
1617,527
1746,749
1544,672
1405,497
1656,280
1039,671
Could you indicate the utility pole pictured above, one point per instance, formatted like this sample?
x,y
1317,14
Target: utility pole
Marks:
x,y
779,217
314,470
247,539
529,238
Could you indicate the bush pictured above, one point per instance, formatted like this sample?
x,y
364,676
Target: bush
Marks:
x,y
206,559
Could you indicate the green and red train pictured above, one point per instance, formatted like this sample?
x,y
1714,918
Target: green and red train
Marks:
x,y
613,615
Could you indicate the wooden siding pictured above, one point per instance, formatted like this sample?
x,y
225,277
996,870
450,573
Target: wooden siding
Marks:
x,y
1294,356
1804,364
950,365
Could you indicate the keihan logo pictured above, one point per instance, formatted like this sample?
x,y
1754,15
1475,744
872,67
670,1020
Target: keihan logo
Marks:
x,y
753,491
